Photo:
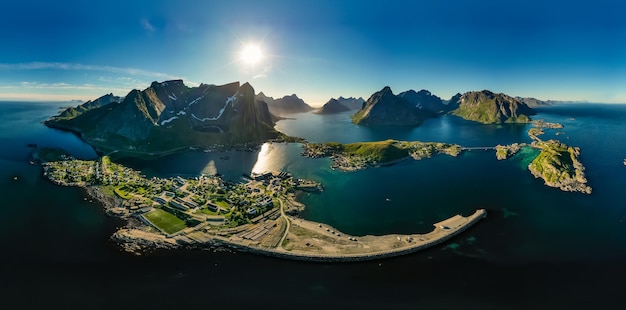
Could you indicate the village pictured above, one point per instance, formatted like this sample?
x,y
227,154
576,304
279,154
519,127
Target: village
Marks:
x,y
257,215
172,205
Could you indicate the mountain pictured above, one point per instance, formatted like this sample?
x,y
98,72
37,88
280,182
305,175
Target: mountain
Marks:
x,y
490,108
352,103
285,105
385,108
424,100
533,102
72,112
331,107
170,115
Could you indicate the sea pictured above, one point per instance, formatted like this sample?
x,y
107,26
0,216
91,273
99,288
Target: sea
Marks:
x,y
538,248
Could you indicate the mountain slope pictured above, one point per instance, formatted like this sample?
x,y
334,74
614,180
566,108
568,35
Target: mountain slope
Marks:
x,y
385,108
285,105
170,115
423,100
72,112
490,108
351,102
333,106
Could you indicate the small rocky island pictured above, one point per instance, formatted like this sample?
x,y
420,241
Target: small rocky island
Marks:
x,y
558,165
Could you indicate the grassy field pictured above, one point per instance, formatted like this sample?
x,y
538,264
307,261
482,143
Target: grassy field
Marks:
x,y
166,221
122,193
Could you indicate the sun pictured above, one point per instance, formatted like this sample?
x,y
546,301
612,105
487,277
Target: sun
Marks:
x,y
251,54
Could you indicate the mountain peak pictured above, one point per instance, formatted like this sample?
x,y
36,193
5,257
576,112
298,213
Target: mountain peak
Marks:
x,y
247,87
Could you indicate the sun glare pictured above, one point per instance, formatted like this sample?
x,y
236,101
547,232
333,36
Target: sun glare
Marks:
x,y
251,54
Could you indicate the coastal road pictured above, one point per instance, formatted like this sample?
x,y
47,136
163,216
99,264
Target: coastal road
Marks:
x,y
283,215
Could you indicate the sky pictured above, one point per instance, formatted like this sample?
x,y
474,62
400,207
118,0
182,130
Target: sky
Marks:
x,y
559,50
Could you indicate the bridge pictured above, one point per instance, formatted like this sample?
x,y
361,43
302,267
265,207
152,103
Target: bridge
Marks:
x,y
484,148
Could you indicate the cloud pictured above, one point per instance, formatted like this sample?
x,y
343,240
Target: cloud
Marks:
x,y
82,67
145,23
263,74
61,85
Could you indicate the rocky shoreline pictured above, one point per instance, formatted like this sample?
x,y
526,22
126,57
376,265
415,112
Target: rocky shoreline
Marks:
x,y
134,237
558,165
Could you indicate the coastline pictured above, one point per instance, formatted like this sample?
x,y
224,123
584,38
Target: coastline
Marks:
x,y
136,237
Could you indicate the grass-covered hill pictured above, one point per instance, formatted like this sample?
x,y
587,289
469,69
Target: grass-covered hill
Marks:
x,y
558,165
491,108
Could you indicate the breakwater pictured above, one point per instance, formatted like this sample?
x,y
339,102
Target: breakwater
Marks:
x,y
441,233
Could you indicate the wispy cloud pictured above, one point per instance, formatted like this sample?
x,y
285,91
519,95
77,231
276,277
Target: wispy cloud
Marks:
x,y
82,67
61,86
145,23
262,74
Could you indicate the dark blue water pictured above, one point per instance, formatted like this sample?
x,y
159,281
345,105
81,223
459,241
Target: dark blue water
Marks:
x,y
538,248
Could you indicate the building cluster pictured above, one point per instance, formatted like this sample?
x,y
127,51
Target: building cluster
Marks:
x,y
202,199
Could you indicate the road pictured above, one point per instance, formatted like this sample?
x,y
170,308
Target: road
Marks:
x,y
283,215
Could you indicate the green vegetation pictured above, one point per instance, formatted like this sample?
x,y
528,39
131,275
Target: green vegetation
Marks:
x,y
489,108
557,164
506,151
122,193
165,221
48,154
359,155
358,116
535,132
206,211
382,151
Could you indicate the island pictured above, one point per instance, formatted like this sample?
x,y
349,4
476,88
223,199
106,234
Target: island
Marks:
x,y
361,155
559,166
557,163
506,151
257,216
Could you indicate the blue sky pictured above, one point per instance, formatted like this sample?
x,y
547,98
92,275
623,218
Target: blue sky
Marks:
x,y
567,50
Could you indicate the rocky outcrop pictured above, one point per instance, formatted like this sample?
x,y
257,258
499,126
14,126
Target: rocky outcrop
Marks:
x,y
135,240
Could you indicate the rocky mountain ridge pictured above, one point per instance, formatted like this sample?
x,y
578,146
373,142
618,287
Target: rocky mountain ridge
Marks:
x,y
170,115
286,105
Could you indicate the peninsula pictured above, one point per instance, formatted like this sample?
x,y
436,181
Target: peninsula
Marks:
x,y
256,216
